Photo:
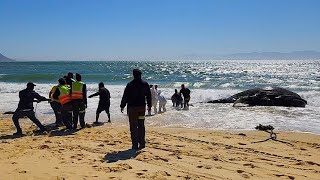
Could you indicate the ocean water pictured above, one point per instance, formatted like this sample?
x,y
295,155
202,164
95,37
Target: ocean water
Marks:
x,y
207,80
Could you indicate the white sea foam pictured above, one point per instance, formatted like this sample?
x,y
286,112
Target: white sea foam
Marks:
x,y
199,115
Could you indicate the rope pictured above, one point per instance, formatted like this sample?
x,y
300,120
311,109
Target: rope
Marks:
x,y
35,111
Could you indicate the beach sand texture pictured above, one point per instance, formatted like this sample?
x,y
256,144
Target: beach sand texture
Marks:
x,y
102,152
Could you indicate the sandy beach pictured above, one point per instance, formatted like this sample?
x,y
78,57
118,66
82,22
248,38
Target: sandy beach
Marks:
x,y
102,152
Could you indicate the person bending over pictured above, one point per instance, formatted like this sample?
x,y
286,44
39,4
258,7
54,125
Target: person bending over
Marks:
x,y
25,108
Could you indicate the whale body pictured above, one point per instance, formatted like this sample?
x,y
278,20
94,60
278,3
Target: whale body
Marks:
x,y
274,96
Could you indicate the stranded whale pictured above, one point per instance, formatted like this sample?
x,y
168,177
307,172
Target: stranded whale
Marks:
x,y
274,96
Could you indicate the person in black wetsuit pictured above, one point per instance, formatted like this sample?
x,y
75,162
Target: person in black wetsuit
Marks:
x,y
186,95
135,95
25,108
104,101
176,98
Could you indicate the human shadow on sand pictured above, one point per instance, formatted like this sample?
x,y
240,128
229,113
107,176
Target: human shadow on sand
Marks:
x,y
121,155
10,136
13,136
94,124
62,132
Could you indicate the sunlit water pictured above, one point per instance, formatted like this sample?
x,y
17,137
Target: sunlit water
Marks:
x,y
206,80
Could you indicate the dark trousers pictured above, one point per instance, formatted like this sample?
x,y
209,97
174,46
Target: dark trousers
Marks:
x,y
66,113
103,107
137,129
56,107
78,113
186,102
30,114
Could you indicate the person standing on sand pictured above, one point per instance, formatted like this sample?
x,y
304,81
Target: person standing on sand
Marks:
x,y
135,95
186,96
56,106
104,101
62,94
79,101
25,108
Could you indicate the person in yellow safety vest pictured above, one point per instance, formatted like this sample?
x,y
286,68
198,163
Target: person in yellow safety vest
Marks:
x,y
79,101
56,106
62,94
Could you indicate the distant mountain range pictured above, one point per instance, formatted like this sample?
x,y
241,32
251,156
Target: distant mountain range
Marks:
x,y
295,55
3,58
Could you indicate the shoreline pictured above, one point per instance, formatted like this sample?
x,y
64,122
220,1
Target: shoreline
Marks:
x,y
103,152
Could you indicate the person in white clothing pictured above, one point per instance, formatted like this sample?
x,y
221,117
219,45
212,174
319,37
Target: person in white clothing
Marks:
x,y
154,99
162,102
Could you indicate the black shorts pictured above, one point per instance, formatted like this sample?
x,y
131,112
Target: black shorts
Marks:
x,y
103,107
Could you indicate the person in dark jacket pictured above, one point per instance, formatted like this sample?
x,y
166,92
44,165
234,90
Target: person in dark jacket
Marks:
x,y
104,101
186,96
176,98
69,79
79,101
25,108
135,95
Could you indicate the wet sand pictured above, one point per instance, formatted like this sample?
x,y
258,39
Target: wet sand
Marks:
x,y
102,152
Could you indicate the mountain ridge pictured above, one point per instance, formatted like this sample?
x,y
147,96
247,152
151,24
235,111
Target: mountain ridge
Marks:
x,y
4,58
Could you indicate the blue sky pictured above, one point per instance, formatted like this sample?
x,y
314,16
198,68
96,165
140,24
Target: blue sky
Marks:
x,y
104,29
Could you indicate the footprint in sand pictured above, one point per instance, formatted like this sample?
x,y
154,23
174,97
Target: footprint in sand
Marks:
x,y
44,146
240,171
243,174
139,174
249,165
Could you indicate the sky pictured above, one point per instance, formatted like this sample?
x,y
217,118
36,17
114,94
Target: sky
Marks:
x,y
107,29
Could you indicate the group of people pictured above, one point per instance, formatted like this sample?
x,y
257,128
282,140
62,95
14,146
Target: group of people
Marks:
x,y
157,96
68,100
177,99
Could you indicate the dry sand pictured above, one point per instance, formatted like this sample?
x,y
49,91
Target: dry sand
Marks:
x,y
102,153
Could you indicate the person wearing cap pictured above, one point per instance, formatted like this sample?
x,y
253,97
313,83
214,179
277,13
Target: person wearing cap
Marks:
x,y
135,95
62,94
104,101
56,106
79,101
25,108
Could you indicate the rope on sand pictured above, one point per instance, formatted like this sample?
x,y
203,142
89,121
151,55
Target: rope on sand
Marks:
x,y
273,136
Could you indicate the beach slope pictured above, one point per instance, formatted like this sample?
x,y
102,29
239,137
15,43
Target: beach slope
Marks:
x,y
103,152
